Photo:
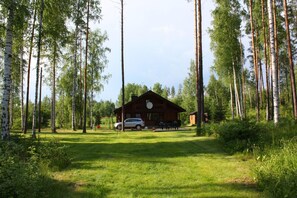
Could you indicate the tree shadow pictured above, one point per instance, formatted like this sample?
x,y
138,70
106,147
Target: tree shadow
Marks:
x,y
62,189
150,152
103,150
221,190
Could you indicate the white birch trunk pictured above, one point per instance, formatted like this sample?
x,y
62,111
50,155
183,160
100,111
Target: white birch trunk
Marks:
x,y
231,101
7,77
237,98
275,93
11,107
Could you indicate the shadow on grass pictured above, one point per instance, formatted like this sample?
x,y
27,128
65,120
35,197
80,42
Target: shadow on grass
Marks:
x,y
209,190
78,133
62,189
95,151
152,152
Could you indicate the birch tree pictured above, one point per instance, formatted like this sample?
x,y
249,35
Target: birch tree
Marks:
x,y
273,63
97,64
86,69
7,72
226,45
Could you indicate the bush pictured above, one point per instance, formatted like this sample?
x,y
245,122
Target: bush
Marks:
x,y
19,172
24,166
277,173
239,136
210,129
55,155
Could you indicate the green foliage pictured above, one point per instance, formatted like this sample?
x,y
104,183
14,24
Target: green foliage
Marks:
x,y
103,109
19,178
225,34
277,173
55,155
131,89
217,100
24,166
239,136
189,101
210,129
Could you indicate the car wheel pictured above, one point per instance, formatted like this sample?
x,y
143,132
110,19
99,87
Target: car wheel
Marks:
x,y
119,127
138,127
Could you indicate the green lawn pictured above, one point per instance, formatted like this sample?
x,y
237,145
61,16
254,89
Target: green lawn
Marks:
x,y
150,164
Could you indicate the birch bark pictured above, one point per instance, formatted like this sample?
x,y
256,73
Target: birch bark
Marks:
x,y
274,67
7,75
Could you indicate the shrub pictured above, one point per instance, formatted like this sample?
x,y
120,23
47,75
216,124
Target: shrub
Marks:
x,y
55,155
239,136
24,166
210,129
19,172
277,173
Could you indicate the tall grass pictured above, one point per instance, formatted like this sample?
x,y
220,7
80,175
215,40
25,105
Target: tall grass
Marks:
x,y
274,146
277,172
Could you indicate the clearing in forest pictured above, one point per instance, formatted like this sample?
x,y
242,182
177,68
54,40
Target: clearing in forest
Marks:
x,y
151,164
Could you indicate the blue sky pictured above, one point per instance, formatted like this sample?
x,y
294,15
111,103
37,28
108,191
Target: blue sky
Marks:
x,y
159,42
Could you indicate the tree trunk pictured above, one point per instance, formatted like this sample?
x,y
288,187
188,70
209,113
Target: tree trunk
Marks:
x,y
7,75
22,86
243,90
237,99
86,70
261,84
39,107
198,64
28,72
200,58
292,74
80,80
255,59
11,105
243,95
266,62
242,84
53,114
231,101
273,64
92,99
75,70
123,66
37,71
276,42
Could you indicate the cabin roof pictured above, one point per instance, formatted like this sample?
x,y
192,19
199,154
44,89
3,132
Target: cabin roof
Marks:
x,y
151,94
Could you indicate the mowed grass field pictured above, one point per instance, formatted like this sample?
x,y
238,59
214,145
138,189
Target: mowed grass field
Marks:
x,y
150,164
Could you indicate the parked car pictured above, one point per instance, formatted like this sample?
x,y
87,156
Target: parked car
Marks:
x,y
136,123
